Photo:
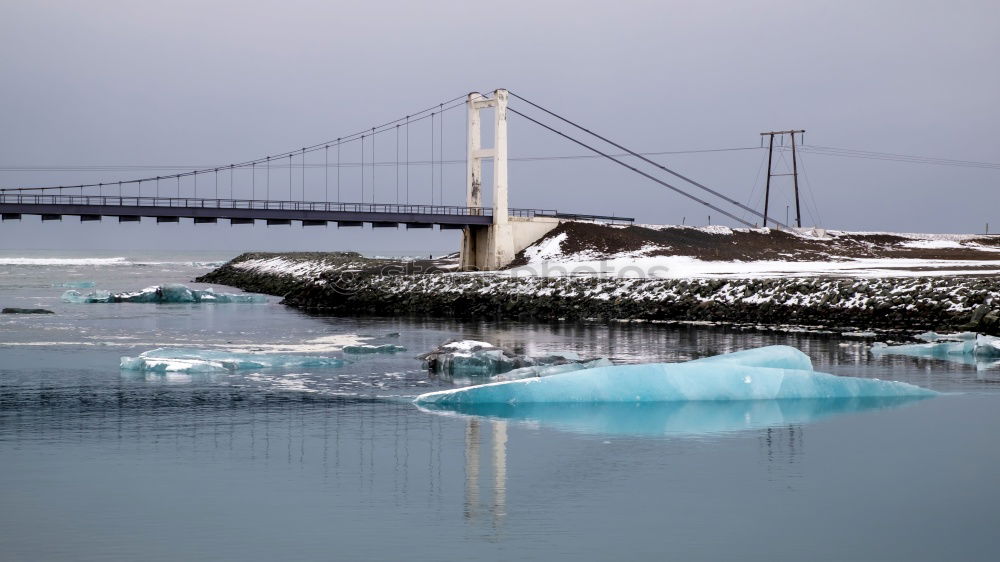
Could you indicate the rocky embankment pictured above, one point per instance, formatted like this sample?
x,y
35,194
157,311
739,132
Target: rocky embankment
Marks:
x,y
921,298
890,304
921,303
282,273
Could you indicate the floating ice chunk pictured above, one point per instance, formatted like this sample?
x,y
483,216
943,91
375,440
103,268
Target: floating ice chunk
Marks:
x,y
188,360
166,293
988,346
467,345
934,336
78,298
693,418
472,358
976,346
76,285
710,379
364,348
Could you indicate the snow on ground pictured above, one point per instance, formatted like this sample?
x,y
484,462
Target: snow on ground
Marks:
x,y
932,244
546,249
676,267
302,269
547,259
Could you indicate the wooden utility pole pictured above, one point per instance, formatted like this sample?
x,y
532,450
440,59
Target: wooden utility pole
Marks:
x,y
794,174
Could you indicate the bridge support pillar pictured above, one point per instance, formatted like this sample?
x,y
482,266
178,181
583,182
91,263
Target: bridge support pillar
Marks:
x,y
491,247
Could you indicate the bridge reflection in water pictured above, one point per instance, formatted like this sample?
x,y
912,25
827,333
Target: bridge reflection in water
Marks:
x,y
498,464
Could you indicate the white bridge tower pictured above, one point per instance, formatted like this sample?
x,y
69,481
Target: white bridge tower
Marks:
x,y
494,246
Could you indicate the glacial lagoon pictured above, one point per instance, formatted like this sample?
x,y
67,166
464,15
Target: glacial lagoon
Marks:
x,y
299,460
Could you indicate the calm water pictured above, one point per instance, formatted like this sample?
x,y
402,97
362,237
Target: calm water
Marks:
x,y
97,463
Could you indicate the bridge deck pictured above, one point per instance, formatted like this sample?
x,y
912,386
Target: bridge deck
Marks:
x,y
310,212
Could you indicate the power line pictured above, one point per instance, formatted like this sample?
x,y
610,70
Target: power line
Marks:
x,y
894,157
813,149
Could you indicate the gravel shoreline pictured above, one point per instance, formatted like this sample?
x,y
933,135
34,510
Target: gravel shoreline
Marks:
x,y
349,284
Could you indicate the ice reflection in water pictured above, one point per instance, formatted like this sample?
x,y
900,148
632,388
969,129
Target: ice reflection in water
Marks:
x,y
672,419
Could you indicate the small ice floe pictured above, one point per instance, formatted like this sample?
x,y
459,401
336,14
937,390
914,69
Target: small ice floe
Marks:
x,y
189,360
934,336
769,373
859,334
166,293
472,358
945,346
76,285
365,348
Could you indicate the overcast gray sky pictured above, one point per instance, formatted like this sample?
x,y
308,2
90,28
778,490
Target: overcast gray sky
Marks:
x,y
208,83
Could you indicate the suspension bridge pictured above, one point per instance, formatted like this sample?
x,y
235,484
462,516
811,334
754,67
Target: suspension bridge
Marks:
x,y
491,235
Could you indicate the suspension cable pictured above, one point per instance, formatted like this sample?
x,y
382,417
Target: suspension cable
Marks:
x,y
265,159
633,168
647,160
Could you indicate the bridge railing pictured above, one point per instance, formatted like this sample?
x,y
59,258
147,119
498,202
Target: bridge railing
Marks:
x,y
264,204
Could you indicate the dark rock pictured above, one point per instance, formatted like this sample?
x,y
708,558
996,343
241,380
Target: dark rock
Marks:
x,y
25,311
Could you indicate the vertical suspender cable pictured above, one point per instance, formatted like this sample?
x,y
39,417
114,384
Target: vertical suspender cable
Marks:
x,y
339,200
231,181
397,163
432,158
362,200
407,159
290,197
326,171
303,174
253,181
216,183
441,154
267,192
373,165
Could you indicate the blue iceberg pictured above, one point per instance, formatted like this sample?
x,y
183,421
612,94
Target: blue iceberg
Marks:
x,y
769,373
189,360
166,293
772,356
